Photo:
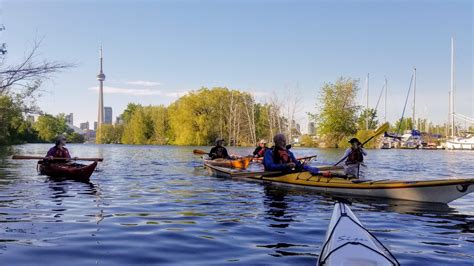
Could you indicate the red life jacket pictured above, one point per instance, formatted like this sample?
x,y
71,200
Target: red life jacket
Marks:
x,y
354,157
59,153
261,152
281,156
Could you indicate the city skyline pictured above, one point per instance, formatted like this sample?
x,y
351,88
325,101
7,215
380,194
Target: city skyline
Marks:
x,y
152,59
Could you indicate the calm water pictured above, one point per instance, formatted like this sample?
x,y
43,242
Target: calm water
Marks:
x,y
153,204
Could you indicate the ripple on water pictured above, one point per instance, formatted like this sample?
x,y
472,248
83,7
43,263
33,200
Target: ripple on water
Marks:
x,y
154,204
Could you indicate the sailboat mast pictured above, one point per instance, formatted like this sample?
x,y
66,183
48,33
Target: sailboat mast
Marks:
x,y
451,93
414,97
385,107
367,102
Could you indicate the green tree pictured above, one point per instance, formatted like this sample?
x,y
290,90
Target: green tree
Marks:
x,y
49,127
14,128
402,125
337,117
367,119
307,141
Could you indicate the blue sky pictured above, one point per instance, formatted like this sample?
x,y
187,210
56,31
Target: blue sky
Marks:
x,y
155,51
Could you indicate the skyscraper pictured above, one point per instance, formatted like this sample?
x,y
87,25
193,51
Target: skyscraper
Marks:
x,y
84,126
108,115
69,119
311,129
101,78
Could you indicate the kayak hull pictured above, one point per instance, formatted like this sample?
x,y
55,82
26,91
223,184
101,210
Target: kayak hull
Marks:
x,y
237,163
436,191
78,172
349,243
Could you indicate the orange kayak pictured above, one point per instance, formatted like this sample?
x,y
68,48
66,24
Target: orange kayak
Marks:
x,y
242,163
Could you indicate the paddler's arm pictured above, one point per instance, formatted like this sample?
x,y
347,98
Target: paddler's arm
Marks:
x,y
298,164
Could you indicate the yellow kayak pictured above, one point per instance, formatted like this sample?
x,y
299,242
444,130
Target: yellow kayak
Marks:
x,y
438,191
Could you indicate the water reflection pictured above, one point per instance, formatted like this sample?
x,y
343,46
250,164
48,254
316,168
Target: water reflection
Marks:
x,y
276,207
162,205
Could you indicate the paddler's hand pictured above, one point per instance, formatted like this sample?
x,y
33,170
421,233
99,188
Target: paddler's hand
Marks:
x,y
51,157
291,165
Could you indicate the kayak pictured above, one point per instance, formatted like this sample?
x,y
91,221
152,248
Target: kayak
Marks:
x,y
349,243
437,191
74,171
242,163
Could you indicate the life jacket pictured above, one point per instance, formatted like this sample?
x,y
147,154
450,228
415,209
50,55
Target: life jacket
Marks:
x,y
261,152
61,153
220,152
354,157
281,156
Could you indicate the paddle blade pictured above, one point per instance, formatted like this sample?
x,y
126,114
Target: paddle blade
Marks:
x,y
382,129
199,152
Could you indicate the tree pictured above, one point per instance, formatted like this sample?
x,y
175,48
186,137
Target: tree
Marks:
x,y
49,127
402,125
337,117
367,119
307,141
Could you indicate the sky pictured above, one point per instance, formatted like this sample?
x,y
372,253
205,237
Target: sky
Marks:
x,y
156,51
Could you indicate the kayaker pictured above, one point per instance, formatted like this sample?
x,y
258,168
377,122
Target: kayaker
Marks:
x,y
219,151
59,151
279,158
259,152
354,158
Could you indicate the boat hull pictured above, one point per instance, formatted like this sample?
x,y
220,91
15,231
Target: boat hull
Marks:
x,y
237,163
64,171
461,144
436,191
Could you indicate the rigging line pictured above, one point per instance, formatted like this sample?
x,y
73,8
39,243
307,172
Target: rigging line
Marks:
x,y
404,107
380,97
376,107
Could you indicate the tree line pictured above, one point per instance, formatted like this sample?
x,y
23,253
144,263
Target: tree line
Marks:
x,y
198,118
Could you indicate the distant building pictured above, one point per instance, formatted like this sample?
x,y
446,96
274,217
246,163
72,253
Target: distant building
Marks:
x,y
108,115
311,129
95,126
84,126
118,120
69,119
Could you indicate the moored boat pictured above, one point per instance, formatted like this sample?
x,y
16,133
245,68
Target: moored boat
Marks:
x,y
437,191
73,171
349,243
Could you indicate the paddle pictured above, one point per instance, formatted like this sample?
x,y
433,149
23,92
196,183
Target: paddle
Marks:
x,y
383,128
200,152
26,157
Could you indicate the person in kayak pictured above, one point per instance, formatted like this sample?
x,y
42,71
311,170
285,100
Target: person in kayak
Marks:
x,y
259,152
279,158
219,151
354,158
59,151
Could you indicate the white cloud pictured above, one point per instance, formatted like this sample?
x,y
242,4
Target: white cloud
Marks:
x,y
138,92
144,83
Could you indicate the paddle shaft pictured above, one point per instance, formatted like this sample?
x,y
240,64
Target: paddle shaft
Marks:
x,y
26,157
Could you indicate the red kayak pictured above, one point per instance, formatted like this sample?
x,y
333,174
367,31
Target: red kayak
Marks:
x,y
73,171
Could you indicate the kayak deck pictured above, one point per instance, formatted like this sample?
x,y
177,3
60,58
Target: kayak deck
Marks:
x,y
439,191
349,243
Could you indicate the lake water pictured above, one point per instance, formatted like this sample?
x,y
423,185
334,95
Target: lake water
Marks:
x,y
158,205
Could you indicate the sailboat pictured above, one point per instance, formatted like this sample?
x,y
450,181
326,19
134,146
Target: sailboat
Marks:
x,y
457,142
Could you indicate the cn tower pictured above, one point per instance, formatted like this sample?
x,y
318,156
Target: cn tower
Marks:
x,y
101,78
